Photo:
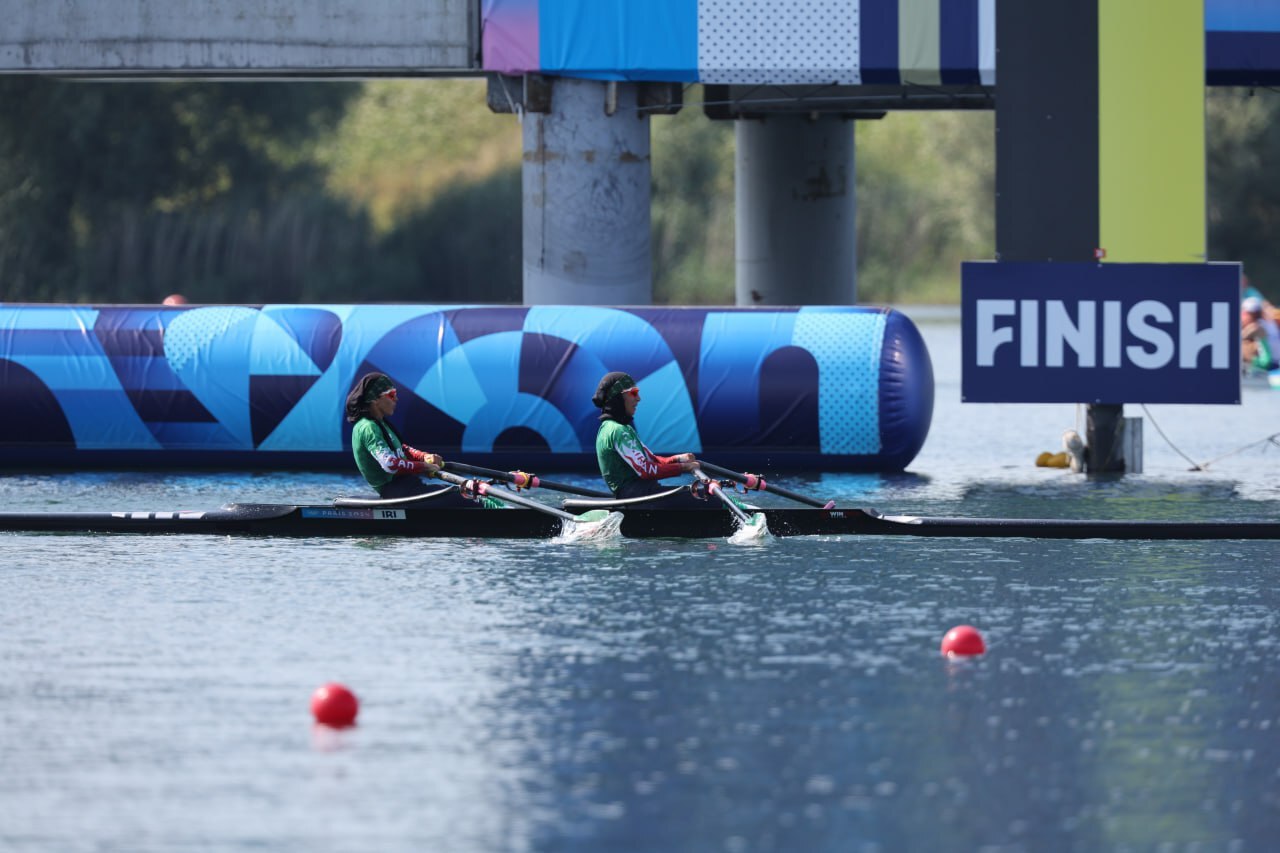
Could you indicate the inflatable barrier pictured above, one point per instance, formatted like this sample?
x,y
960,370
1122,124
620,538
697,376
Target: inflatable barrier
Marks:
x,y
240,387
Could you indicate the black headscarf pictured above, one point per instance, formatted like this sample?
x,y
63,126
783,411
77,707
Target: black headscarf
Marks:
x,y
608,397
364,393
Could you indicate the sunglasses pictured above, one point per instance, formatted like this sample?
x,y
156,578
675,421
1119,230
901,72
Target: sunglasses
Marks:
x,y
634,391
389,393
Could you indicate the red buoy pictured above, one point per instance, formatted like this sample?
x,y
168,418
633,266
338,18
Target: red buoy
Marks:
x,y
334,705
963,640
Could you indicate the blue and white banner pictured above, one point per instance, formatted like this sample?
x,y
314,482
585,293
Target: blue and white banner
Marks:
x,y
745,42
834,388
1100,333
846,42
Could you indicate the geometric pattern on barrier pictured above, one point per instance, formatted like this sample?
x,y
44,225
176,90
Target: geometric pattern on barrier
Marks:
x,y
472,379
847,348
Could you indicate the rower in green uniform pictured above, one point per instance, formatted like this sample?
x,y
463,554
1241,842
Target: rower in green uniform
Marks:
x,y
628,467
387,463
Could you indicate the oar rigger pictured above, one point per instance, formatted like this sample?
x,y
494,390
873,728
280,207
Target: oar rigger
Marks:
x,y
757,482
523,480
754,521
479,489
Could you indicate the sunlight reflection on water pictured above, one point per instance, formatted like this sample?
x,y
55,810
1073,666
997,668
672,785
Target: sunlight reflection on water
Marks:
x,y
658,695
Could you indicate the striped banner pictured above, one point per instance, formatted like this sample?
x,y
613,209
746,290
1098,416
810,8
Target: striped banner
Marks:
x,y
886,42
746,42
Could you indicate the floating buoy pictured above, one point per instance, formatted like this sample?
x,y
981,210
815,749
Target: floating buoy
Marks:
x,y
1053,460
334,705
962,641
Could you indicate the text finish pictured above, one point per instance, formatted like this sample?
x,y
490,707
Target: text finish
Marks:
x,y
1105,333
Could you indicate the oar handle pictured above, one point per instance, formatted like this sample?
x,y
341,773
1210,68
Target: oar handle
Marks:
x,y
714,488
483,488
525,481
754,481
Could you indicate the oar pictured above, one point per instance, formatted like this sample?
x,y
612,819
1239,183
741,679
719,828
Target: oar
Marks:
x,y
525,481
714,488
755,481
482,488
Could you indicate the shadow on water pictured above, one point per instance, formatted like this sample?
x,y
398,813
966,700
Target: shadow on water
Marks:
x,y
846,487
1112,497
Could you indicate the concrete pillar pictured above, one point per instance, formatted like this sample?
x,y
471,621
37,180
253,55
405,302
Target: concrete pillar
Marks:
x,y
795,211
586,197
1105,427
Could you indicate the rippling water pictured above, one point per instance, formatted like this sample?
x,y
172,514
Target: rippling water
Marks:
x,y
664,695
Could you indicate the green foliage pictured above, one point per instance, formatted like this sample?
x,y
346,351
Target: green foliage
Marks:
x,y
231,249
926,202
411,191
1242,164
692,207
465,246
403,142
101,184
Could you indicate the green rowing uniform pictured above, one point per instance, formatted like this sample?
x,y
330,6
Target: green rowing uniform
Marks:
x,y
624,459
1265,359
382,456
378,460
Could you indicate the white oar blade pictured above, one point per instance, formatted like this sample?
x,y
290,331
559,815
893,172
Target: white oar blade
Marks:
x,y
754,532
595,525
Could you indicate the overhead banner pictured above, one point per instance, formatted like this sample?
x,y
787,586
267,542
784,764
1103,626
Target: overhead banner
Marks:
x,y
1242,42
847,42
1100,333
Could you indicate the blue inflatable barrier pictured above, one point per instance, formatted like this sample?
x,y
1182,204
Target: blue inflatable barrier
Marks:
x,y
228,386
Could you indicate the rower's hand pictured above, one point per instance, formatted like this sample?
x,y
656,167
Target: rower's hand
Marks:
x,y
433,459
429,468
688,462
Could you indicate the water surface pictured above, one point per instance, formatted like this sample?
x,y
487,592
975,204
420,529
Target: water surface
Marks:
x,y
664,695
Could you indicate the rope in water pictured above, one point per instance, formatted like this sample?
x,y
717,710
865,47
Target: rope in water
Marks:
x,y
1274,438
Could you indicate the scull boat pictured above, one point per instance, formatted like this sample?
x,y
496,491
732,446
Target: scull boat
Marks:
x,y
370,518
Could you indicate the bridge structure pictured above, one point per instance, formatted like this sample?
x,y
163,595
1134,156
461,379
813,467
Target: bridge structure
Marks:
x,y
1099,109
793,76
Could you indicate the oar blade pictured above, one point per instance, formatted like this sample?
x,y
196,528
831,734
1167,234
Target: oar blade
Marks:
x,y
753,531
592,526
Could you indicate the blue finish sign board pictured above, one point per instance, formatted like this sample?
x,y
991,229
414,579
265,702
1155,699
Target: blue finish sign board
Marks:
x,y
1100,333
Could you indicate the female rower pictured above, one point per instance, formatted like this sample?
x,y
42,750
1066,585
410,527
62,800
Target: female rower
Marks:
x,y
629,468
1259,334
387,463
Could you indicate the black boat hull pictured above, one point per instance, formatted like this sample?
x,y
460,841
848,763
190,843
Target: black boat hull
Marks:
x,y
713,522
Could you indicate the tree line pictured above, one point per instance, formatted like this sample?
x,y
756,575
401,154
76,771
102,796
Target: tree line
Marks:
x,y
410,191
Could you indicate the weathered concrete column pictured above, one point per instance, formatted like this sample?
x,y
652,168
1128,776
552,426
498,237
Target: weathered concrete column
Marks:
x,y
586,197
1104,438
795,211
